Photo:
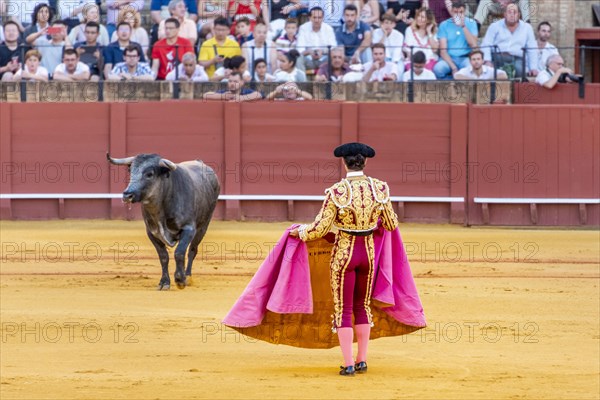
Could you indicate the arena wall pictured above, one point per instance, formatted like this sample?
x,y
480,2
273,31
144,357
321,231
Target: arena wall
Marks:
x,y
424,150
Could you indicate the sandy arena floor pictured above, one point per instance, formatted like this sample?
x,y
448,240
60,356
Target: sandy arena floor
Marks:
x,y
512,314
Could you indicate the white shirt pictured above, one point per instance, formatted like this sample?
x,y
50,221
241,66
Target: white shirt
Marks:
x,y
544,76
426,75
377,75
543,54
309,39
393,44
295,76
221,72
198,76
81,67
486,74
41,71
420,44
263,52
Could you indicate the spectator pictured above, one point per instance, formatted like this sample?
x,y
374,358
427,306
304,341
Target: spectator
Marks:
x,y
544,48
332,10
187,26
289,92
355,36
33,71
208,10
235,91
458,36
404,12
115,7
339,67
113,53
21,12
281,11
379,70
159,10
91,12
231,65
370,13
487,8
313,39
52,50
556,72
10,51
169,51
477,70
214,50
188,70
258,48
90,52
41,19
139,35
71,69
420,73
510,35
288,38
422,35
242,31
442,9
132,69
392,40
71,12
251,9
287,71
260,72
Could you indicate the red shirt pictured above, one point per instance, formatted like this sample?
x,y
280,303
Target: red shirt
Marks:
x,y
165,53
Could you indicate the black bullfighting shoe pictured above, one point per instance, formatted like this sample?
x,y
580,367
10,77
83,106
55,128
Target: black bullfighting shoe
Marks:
x,y
360,367
347,371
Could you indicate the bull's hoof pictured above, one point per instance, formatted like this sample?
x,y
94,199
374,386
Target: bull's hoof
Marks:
x,y
180,285
163,286
180,280
189,281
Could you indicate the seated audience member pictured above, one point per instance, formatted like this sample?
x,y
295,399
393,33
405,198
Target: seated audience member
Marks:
x,y
477,70
52,50
314,37
369,12
159,10
442,9
287,71
260,72
281,11
41,20
510,35
33,70
544,48
392,40
114,8
208,11
379,70
259,48
132,69
169,51
230,65
404,12
187,26
217,48
235,91
289,92
355,36
251,9
556,72
113,53
288,37
486,8
420,73
422,35
339,67
91,13
188,70
242,31
138,33
71,69
10,51
90,52
458,35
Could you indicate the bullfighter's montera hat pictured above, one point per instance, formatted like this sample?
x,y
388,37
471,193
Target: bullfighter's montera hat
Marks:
x,y
353,149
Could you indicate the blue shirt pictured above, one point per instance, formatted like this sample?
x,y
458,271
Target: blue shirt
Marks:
x,y
192,6
456,40
511,42
243,92
113,54
351,40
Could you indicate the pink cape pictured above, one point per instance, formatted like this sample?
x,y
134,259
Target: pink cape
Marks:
x,y
289,301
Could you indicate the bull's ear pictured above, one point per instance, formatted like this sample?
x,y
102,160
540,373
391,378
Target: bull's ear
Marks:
x,y
167,164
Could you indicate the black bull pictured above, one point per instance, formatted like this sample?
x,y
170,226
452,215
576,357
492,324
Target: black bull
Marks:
x,y
178,201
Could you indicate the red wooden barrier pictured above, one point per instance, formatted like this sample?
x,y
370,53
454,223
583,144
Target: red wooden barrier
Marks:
x,y
562,93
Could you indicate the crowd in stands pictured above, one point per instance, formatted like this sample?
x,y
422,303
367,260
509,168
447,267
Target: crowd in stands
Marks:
x,y
242,41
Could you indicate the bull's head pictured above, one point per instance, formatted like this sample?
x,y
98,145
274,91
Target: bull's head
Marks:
x,y
146,172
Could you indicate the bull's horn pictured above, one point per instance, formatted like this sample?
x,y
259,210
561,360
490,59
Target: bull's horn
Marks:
x,y
119,161
167,164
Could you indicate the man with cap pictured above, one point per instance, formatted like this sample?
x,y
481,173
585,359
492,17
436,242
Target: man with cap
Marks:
x,y
354,206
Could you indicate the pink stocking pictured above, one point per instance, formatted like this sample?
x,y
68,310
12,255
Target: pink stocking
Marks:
x,y
346,336
363,331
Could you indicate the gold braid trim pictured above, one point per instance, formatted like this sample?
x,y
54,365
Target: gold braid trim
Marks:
x,y
371,254
341,257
